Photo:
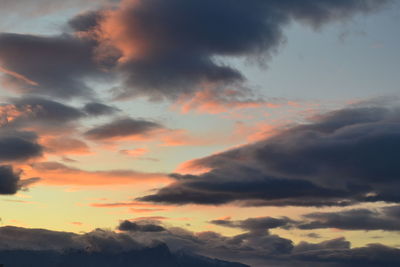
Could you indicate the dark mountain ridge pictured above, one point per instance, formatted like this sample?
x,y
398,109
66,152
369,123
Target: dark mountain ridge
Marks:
x,y
157,256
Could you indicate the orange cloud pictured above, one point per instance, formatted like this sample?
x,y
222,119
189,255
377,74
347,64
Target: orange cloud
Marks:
x,y
113,31
146,210
137,152
184,138
150,218
52,173
213,100
254,132
19,76
135,206
64,145
8,113
192,167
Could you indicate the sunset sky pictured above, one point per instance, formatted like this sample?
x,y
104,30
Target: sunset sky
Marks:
x,y
218,119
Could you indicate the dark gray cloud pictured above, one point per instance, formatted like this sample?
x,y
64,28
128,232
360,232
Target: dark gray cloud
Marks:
x,y
338,243
40,115
179,41
123,127
10,181
44,114
98,109
179,45
355,219
257,249
18,146
41,109
256,224
371,256
139,227
384,218
55,65
339,158
86,21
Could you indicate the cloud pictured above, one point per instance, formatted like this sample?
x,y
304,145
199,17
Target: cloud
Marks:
x,y
256,224
371,255
161,49
10,181
123,128
55,66
21,246
136,227
173,47
384,219
65,145
256,249
18,146
98,109
338,158
39,114
219,100
54,173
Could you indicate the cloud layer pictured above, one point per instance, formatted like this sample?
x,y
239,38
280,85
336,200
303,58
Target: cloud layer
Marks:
x,y
339,158
160,49
145,248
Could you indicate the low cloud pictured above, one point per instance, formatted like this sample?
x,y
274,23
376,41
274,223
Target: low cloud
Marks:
x,y
385,219
11,182
19,146
56,66
55,173
339,158
129,226
123,128
256,249
98,109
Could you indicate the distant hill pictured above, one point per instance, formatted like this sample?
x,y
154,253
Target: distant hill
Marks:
x,y
158,256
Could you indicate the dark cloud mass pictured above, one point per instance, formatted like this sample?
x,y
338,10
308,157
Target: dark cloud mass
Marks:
x,y
339,158
10,181
41,109
161,49
256,224
134,227
21,246
384,218
98,109
55,65
177,41
18,146
123,127
355,219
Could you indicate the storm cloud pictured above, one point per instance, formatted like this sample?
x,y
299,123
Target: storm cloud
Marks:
x,y
339,158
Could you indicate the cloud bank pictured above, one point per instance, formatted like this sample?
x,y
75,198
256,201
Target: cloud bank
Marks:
x,y
340,158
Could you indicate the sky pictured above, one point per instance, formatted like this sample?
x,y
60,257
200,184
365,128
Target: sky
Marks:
x,y
258,131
